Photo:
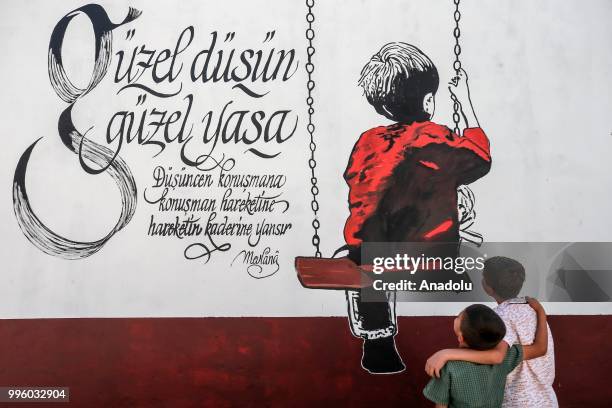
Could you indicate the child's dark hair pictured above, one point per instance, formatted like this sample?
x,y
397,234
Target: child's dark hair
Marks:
x,y
396,79
504,275
481,327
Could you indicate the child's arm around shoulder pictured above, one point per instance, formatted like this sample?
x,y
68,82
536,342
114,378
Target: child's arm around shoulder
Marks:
x,y
494,356
540,341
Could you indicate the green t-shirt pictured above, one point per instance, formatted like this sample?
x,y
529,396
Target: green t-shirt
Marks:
x,y
463,384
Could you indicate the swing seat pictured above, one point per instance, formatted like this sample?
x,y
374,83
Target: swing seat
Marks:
x,y
344,274
330,273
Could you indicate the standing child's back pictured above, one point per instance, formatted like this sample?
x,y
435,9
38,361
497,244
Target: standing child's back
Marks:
x,y
530,384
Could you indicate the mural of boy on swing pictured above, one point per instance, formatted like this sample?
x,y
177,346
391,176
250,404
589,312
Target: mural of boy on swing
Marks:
x,y
404,181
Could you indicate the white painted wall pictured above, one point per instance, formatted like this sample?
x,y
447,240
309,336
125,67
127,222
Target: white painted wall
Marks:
x,y
540,78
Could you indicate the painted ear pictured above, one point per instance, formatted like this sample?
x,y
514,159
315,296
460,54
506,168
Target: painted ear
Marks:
x,y
429,104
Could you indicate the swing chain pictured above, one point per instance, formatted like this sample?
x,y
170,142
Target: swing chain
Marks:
x,y
465,194
310,128
456,63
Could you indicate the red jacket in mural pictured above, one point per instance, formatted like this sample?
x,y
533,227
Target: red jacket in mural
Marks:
x,y
403,182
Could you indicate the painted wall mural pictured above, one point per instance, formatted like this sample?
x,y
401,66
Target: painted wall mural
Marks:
x,y
200,194
178,156
301,179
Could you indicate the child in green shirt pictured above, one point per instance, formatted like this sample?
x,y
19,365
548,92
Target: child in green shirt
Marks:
x,y
464,384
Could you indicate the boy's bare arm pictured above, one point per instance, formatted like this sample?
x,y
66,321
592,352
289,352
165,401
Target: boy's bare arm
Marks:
x,y
540,342
441,406
494,356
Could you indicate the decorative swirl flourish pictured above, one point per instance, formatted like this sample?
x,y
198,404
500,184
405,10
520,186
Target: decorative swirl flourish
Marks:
x,y
248,91
88,151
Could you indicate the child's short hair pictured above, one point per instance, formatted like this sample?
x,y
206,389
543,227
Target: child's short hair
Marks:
x,y
504,275
396,79
481,327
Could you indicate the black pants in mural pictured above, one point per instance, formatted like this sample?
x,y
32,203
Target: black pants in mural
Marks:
x,y
371,312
